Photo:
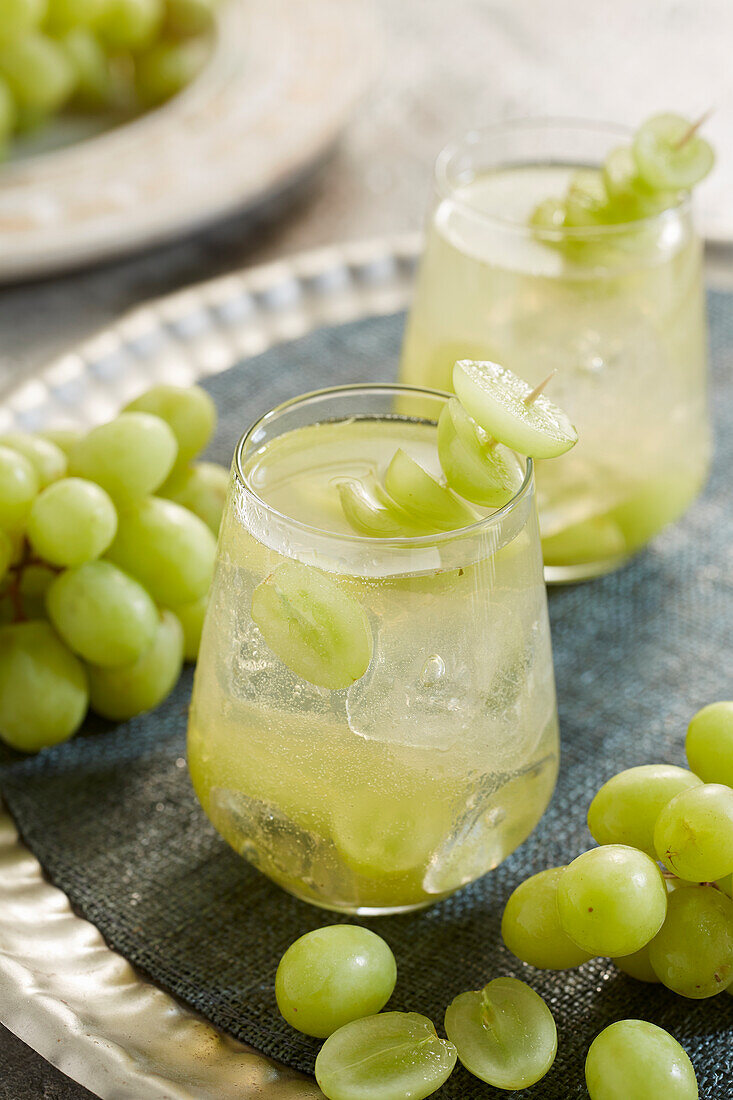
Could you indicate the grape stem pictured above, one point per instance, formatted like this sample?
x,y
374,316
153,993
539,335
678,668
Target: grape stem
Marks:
x,y
532,397
13,591
692,130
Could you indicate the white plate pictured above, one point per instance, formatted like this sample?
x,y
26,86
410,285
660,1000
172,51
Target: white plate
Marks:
x,y
276,92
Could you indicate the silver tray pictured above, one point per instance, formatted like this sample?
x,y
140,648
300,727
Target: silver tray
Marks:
x,y
62,990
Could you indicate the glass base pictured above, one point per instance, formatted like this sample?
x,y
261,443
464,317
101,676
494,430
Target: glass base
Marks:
x,y
584,571
364,910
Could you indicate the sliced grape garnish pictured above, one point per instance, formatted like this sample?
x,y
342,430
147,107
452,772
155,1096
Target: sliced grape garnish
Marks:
x,y
477,467
316,628
332,976
670,154
424,498
636,1060
612,900
692,954
586,202
628,192
709,744
371,511
626,808
531,926
509,410
504,1034
390,1056
693,835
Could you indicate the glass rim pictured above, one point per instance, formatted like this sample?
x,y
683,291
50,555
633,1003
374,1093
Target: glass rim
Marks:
x,y
401,542
544,123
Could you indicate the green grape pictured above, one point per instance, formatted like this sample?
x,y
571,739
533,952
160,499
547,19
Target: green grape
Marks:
x,y
191,617
497,400
670,155
130,24
7,551
202,488
371,511
548,215
8,114
93,82
38,73
72,521
129,456
586,201
531,926
48,460
121,693
66,15
19,487
190,413
64,438
726,885
628,192
17,17
709,744
692,954
167,68
589,540
332,976
190,17
35,581
167,548
636,1060
390,1056
504,1034
693,835
626,808
638,966
43,687
424,498
612,900
102,614
481,471
316,628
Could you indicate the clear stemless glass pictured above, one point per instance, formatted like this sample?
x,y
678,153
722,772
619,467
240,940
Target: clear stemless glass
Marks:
x,y
617,310
441,756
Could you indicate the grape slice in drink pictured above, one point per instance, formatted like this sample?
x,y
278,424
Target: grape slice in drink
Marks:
x,y
371,511
531,927
504,406
692,954
424,498
693,835
71,522
477,468
626,808
315,627
709,743
390,1056
504,1034
121,693
670,154
636,1060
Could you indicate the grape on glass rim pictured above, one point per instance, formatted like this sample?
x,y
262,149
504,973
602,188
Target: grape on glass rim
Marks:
x,y
504,1034
480,470
692,954
626,808
670,154
122,692
612,900
636,1060
709,743
332,976
71,522
389,1056
531,928
509,410
693,835
313,625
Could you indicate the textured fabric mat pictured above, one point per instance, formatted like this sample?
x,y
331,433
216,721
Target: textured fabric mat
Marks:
x,y
113,820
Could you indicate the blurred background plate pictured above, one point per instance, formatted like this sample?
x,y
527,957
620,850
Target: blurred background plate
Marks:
x,y
274,96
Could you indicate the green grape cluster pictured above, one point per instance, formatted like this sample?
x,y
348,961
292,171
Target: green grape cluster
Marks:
x,y
655,896
103,585
96,55
666,158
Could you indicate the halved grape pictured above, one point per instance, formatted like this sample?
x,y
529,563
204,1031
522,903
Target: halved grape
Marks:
x,y
332,976
43,687
121,693
390,1056
102,614
72,521
424,498
130,24
709,743
129,456
612,900
202,488
628,192
693,835
504,1034
497,400
191,617
93,81
48,460
38,73
626,808
669,154
481,470
586,201
636,1060
590,540
371,511
167,548
638,965
692,954
531,926
189,411
190,17
168,67
316,628
19,487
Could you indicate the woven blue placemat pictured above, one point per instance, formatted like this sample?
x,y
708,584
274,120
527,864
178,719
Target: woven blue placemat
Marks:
x,y
113,820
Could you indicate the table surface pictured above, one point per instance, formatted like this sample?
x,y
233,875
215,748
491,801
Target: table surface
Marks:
x,y
440,69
